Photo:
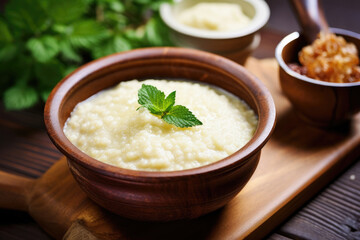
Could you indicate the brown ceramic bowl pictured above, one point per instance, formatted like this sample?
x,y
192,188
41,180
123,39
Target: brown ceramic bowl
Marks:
x,y
160,196
317,102
236,45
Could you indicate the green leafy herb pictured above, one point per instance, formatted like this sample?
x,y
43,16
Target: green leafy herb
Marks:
x,y
19,97
156,102
42,41
43,49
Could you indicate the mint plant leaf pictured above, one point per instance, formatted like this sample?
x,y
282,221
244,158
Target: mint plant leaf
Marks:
x,y
151,98
154,100
156,33
43,49
49,74
169,101
87,33
181,117
36,33
26,16
112,45
8,52
26,64
5,35
143,1
68,52
66,11
19,97
117,6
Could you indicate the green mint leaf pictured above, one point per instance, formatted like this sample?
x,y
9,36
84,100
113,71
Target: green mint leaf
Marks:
x,y
11,68
109,46
117,6
47,38
143,1
156,33
181,117
68,52
43,49
49,74
154,100
87,33
19,97
26,16
8,52
66,11
5,35
169,101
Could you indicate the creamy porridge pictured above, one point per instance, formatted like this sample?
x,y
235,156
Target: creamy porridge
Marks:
x,y
214,16
108,128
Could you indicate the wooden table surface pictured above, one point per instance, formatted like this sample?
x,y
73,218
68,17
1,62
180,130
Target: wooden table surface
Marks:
x,y
26,150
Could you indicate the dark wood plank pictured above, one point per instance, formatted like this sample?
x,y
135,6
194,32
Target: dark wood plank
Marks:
x,y
333,214
277,236
16,225
25,148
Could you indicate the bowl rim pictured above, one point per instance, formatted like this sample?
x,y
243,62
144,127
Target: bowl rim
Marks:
x,y
262,15
295,35
265,104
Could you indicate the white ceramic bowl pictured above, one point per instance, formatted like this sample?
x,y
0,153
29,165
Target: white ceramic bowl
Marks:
x,y
236,45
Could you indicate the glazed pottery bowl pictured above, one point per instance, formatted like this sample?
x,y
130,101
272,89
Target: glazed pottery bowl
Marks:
x,y
319,103
236,45
160,196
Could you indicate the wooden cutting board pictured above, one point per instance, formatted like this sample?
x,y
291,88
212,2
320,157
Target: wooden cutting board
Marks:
x,y
295,164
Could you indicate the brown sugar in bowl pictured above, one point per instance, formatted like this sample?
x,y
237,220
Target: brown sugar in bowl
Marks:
x,y
160,196
318,103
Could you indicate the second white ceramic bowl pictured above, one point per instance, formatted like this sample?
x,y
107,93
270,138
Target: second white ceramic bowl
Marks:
x,y
236,45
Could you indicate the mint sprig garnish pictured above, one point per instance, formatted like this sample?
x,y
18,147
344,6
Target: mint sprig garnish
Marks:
x,y
155,101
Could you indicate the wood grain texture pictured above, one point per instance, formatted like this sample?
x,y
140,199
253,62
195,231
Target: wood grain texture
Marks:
x,y
15,191
25,148
334,214
17,225
297,162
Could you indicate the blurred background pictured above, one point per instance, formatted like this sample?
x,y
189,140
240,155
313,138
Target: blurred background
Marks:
x,y
340,14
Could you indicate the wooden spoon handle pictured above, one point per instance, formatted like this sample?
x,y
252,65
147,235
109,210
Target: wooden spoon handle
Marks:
x,y
15,191
311,17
